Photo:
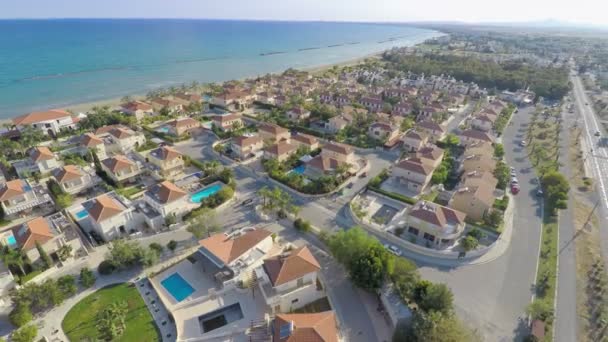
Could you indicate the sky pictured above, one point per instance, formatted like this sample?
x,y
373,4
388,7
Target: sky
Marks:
x,y
579,11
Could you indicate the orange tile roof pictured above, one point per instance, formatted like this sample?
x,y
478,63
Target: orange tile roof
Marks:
x,y
169,192
307,327
281,148
34,117
305,139
104,208
229,249
284,268
117,162
415,165
41,153
67,173
36,230
244,141
184,122
11,189
272,128
168,153
120,132
90,140
338,148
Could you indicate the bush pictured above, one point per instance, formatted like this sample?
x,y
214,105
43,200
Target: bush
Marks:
x,y
302,225
157,247
172,245
469,243
87,278
20,315
106,267
25,334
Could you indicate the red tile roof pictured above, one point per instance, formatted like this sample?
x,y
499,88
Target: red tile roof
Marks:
x,y
118,162
290,266
339,148
40,153
436,214
11,189
104,208
229,249
36,230
66,173
306,327
35,117
415,165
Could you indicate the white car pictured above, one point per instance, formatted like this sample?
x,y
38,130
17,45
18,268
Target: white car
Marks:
x,y
522,143
394,250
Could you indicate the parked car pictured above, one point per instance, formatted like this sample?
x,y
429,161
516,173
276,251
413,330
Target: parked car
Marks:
x,y
597,134
513,173
514,189
522,143
247,202
392,249
363,175
539,192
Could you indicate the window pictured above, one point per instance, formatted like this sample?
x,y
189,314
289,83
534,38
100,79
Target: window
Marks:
x,y
413,230
294,301
429,237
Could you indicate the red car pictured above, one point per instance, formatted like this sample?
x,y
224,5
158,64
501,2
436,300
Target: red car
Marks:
x,y
514,189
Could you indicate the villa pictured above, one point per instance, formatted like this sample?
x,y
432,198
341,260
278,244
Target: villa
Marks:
x,y
168,162
75,179
181,126
483,122
431,155
434,131
336,124
475,201
227,122
110,215
413,173
341,152
187,98
245,146
138,109
480,178
289,280
123,140
413,140
50,122
308,327
439,226
383,131
280,151
120,168
297,114
473,136
273,133
18,196
41,160
478,162
167,199
165,103
90,141
306,141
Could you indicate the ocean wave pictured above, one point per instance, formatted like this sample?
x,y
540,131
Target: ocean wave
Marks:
x,y
270,53
309,48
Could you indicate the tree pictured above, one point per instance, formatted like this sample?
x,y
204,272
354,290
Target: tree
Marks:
x,y
64,252
111,321
405,276
172,245
499,151
46,259
106,267
434,327
469,243
203,223
67,285
502,173
123,254
406,124
556,188
493,218
157,247
20,315
437,297
540,309
27,333
87,278
149,257
369,269
13,257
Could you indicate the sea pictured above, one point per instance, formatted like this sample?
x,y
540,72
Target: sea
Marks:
x,y
47,64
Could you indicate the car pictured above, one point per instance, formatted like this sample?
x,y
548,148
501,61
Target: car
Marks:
x,y
522,143
513,173
539,192
363,175
597,134
393,250
514,180
512,169
514,189
247,202
350,185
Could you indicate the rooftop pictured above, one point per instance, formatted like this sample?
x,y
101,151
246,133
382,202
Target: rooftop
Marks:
x,y
165,192
291,265
305,327
228,248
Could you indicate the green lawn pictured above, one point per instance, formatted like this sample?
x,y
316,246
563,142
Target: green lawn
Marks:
x,y
79,323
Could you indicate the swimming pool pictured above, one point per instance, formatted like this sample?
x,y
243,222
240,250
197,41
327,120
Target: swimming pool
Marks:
x,y
163,129
299,169
82,214
177,286
200,195
11,240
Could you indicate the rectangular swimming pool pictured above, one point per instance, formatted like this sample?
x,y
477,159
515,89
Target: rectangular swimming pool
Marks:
x,y
177,286
299,169
220,317
82,214
11,240
200,195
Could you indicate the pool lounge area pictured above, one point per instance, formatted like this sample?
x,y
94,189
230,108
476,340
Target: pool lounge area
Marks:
x,y
205,192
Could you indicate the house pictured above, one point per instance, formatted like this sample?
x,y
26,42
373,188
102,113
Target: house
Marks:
x,y
297,114
227,122
236,255
289,280
484,148
322,165
336,124
413,140
372,104
402,109
478,162
306,141
181,126
280,151
341,152
188,98
383,131
168,104
413,173
74,179
19,196
167,199
120,168
475,201
50,122
41,160
439,226
308,327
473,136
245,146
111,215
90,141
39,231
265,98
433,130
479,178
232,97
168,162
483,122
138,109
273,133
120,139
430,154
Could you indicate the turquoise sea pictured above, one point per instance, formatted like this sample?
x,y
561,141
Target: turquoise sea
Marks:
x,y
56,63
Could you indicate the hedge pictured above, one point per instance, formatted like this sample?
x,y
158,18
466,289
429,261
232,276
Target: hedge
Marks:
x,y
395,196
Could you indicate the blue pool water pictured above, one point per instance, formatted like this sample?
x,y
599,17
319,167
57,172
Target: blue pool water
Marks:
x,y
11,240
299,169
163,129
200,195
82,214
177,286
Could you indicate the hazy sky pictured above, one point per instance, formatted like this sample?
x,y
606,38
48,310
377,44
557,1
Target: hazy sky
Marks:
x,y
580,11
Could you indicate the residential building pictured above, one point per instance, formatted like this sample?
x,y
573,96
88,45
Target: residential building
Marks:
x,y
19,195
479,178
120,139
168,163
372,104
297,114
50,122
182,126
413,140
309,327
289,280
383,131
431,155
187,98
478,162
322,165
483,122
167,199
90,141
475,201
473,136
245,146
280,151
306,141
120,168
138,109
439,226
172,106
74,179
227,122
111,215
434,131
341,152
336,124
484,148
413,173
7,284
273,133
41,160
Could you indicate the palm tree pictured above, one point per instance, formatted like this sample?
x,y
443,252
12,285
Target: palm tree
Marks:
x,y
13,257
265,193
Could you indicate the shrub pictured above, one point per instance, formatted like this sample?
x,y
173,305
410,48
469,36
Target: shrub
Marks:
x,y
172,245
106,267
87,278
302,225
20,315
469,243
157,247
25,334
